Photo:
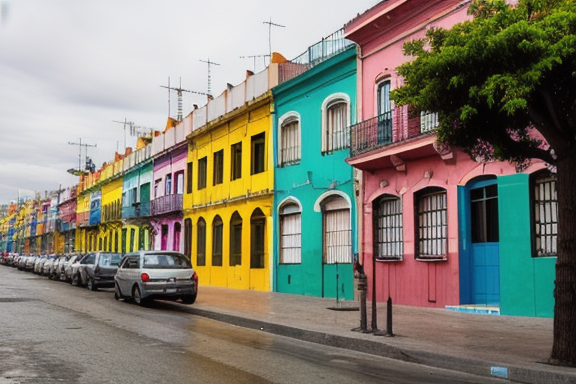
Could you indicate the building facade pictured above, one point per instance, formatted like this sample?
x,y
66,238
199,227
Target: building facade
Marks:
x,y
314,203
439,228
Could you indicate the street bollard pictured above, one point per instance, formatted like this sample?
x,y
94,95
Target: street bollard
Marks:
x,y
388,332
362,287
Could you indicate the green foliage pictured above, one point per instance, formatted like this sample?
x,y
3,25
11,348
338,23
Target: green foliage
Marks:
x,y
493,79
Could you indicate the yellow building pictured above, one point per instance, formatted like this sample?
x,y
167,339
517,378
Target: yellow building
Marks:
x,y
110,229
229,189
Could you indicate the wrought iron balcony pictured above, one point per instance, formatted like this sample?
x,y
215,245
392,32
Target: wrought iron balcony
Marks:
x,y
167,204
383,130
136,210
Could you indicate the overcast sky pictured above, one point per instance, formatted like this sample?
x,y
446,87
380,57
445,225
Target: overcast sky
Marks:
x,y
70,68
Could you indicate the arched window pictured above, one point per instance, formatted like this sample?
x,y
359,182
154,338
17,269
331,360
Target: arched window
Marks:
x,y
201,243
387,228
257,239
545,214
289,151
335,123
337,231
290,234
431,223
217,232
235,239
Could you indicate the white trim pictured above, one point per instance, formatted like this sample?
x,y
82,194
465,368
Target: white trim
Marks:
x,y
286,200
324,109
322,197
281,120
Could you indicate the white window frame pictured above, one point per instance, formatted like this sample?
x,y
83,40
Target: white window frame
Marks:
x,y
290,212
283,121
329,102
545,206
336,230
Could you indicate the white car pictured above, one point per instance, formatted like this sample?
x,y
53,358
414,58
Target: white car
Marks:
x,y
148,275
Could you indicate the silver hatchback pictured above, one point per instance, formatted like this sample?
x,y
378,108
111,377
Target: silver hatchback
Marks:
x,y
148,275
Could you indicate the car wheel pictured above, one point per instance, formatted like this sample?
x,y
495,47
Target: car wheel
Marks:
x,y
90,285
75,280
117,292
189,299
138,297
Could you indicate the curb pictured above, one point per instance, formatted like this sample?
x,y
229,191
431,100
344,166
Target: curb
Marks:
x,y
471,366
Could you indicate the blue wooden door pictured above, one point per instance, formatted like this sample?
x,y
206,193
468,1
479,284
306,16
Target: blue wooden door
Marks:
x,y
485,254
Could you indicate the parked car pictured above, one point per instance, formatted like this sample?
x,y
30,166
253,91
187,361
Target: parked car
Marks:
x,y
22,262
69,266
148,275
29,263
53,271
10,259
47,264
38,263
96,270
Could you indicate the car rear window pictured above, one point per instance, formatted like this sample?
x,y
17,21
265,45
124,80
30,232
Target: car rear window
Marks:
x,y
110,259
166,262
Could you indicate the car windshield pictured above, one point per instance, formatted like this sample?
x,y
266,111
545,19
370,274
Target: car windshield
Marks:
x,y
166,262
110,259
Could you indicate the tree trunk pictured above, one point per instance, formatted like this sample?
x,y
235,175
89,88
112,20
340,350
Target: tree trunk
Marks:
x,y
564,346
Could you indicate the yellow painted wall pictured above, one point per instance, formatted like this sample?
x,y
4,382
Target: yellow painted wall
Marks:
x,y
243,195
82,207
111,192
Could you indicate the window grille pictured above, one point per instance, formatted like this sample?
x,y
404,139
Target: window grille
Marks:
x,y
290,142
545,216
432,225
337,233
388,237
337,134
428,121
290,235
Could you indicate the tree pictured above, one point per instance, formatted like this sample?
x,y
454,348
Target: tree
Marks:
x,y
504,85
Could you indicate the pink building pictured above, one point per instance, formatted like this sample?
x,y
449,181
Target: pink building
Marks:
x,y
420,203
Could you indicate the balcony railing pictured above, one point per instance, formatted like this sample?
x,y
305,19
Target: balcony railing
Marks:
x,y
166,204
136,210
390,127
314,55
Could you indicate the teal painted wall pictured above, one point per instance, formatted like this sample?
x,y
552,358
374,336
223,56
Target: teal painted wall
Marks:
x,y
526,283
315,175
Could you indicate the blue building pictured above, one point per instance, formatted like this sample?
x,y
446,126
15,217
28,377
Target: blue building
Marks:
x,y
314,202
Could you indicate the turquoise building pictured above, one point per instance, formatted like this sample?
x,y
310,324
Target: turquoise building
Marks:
x,y
314,215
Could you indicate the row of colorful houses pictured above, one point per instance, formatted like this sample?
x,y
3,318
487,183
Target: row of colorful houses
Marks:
x,y
285,180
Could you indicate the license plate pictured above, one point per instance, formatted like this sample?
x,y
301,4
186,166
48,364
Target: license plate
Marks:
x,y
171,290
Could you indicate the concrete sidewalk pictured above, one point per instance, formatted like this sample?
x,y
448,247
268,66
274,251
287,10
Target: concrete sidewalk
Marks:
x,y
502,346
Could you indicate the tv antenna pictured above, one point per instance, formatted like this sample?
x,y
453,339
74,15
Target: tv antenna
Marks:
x,y
270,25
80,145
126,123
254,57
209,64
179,91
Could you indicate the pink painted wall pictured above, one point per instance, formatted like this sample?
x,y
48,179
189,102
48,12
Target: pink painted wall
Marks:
x,y
171,163
413,282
